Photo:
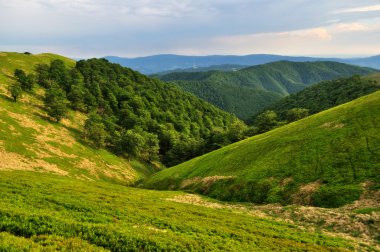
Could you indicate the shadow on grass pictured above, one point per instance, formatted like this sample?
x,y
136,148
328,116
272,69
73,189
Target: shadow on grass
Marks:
x,y
7,98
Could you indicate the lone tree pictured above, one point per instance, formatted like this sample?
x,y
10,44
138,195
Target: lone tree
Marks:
x,y
296,114
15,91
266,121
26,81
55,102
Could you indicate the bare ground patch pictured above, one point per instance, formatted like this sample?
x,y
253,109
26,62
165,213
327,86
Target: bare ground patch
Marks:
x,y
303,196
206,181
332,125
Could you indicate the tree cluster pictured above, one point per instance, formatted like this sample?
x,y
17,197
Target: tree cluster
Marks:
x,y
135,115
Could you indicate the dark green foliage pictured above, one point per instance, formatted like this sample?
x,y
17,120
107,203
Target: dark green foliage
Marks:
x,y
325,95
296,114
336,196
94,130
15,91
26,81
266,121
134,107
55,102
248,91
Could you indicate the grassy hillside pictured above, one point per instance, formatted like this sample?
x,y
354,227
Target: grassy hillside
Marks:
x,y
249,90
321,160
29,141
45,211
327,94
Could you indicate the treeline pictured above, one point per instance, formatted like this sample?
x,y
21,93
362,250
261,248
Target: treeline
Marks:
x,y
132,114
312,100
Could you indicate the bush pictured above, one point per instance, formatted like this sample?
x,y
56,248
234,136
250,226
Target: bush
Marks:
x,y
336,196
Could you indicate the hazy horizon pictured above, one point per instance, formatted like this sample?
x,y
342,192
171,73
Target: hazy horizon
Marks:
x,y
132,28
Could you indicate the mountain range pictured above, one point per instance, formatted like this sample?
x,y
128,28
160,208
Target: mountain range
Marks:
x,y
168,62
248,91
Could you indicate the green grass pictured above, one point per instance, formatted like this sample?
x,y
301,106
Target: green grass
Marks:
x,y
49,211
336,147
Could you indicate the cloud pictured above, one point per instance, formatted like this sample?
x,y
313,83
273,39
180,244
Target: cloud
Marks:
x,y
360,9
140,27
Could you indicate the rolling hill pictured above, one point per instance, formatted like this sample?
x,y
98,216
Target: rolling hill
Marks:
x,y
247,91
167,62
327,159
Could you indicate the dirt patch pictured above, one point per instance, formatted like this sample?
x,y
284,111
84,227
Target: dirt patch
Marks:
x,y
155,229
332,125
15,161
303,196
206,181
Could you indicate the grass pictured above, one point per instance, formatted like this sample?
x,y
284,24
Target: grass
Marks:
x,y
50,211
336,147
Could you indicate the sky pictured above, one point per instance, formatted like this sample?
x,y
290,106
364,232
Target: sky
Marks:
x,y
131,28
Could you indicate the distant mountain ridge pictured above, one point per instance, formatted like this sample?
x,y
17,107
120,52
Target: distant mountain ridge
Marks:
x,y
249,90
167,62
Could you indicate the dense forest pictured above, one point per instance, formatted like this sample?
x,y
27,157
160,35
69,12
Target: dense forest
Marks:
x,y
132,114
325,95
248,91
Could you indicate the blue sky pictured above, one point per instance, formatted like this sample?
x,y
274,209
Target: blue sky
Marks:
x,y
94,28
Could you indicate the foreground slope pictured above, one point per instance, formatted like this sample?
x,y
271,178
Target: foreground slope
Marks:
x,y
319,160
44,211
29,141
249,90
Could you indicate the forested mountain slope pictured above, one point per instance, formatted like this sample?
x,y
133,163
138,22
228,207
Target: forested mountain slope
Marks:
x,y
321,160
325,95
249,90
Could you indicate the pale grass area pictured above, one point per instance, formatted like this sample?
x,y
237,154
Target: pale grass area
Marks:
x,y
206,181
15,161
303,196
340,222
333,125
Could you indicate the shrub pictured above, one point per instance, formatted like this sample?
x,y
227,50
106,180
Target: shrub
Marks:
x,y
336,196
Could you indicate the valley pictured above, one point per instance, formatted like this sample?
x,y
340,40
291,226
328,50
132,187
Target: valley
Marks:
x,y
84,181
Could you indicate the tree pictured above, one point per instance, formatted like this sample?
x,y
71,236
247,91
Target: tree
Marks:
x,y
26,81
266,121
94,130
132,143
76,97
296,114
15,90
43,75
151,147
55,102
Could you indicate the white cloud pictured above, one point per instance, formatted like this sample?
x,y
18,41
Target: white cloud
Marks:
x,y
360,9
